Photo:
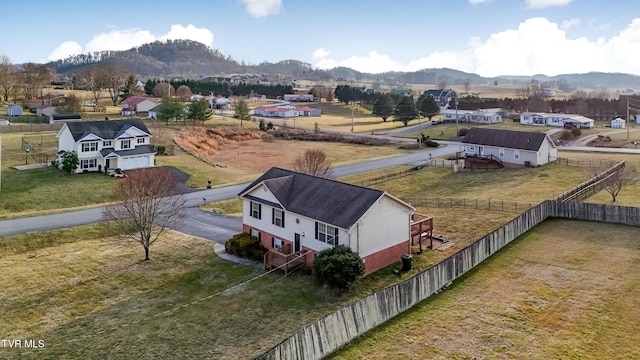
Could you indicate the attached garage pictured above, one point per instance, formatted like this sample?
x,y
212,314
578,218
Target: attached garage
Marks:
x,y
135,162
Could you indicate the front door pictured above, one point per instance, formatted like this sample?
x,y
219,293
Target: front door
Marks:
x,y
481,151
296,242
106,164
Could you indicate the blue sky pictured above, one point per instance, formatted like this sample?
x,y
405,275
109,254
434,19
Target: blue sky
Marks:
x,y
487,37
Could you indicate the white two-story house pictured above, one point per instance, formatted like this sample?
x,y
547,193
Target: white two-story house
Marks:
x,y
107,145
299,215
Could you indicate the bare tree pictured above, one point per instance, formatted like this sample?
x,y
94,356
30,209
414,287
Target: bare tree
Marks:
x,y
95,79
163,89
33,77
115,80
183,92
72,105
615,182
7,77
144,205
313,162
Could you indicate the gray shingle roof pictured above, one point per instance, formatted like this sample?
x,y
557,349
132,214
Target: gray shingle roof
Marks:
x,y
138,150
523,140
105,129
329,201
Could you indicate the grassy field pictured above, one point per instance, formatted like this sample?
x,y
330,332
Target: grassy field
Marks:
x,y
88,295
525,184
552,294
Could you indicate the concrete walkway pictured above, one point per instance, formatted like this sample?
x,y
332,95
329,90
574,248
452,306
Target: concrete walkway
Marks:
x,y
219,250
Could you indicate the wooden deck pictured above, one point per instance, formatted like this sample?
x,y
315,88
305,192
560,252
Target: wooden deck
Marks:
x,y
421,231
286,262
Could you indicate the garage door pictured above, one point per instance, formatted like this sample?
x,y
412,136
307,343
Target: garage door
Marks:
x,y
135,162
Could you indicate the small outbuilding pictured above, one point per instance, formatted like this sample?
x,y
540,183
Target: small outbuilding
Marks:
x,y
14,110
618,123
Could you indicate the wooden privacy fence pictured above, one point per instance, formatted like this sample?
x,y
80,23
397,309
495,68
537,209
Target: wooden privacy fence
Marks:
x,y
335,330
32,127
473,203
329,333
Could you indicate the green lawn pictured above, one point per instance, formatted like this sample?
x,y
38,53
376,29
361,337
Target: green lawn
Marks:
x,y
38,191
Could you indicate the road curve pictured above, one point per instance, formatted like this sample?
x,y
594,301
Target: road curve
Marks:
x,y
199,222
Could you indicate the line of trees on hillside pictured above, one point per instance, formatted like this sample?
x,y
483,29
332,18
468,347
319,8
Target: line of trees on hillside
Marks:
x,y
207,87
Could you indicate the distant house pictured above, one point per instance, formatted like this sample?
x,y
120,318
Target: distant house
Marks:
x,y
441,96
296,215
298,97
45,110
618,123
480,116
556,119
509,147
136,105
107,145
307,111
14,110
275,111
153,112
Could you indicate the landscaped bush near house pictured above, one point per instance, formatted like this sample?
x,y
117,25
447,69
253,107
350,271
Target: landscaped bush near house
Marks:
x,y
432,144
246,246
338,267
161,149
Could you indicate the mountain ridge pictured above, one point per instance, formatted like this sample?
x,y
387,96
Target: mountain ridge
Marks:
x,y
189,59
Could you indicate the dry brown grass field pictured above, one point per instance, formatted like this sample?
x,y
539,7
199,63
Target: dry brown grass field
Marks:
x,y
552,294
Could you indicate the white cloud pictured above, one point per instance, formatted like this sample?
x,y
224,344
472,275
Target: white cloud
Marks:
x,y
567,24
321,53
476,2
125,39
65,50
537,46
541,4
190,32
262,8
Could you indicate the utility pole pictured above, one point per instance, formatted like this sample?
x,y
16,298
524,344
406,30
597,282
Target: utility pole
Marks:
x,y
0,162
457,129
352,114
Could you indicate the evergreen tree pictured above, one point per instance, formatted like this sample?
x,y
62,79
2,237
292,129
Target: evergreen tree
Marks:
x,y
406,110
241,111
428,106
383,107
171,109
199,110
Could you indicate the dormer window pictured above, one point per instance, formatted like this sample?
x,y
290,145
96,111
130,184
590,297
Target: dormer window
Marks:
x,y
106,144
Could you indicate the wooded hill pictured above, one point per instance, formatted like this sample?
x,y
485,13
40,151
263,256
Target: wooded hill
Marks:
x,y
189,59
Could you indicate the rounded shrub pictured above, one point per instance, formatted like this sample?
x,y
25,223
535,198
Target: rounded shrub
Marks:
x,y
338,267
246,246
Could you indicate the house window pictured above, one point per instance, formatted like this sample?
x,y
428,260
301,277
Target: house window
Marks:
x,y
140,140
516,154
277,217
255,233
327,233
256,210
276,243
106,143
472,148
126,144
88,163
90,146
501,152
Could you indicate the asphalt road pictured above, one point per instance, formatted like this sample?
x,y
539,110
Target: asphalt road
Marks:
x,y
202,223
